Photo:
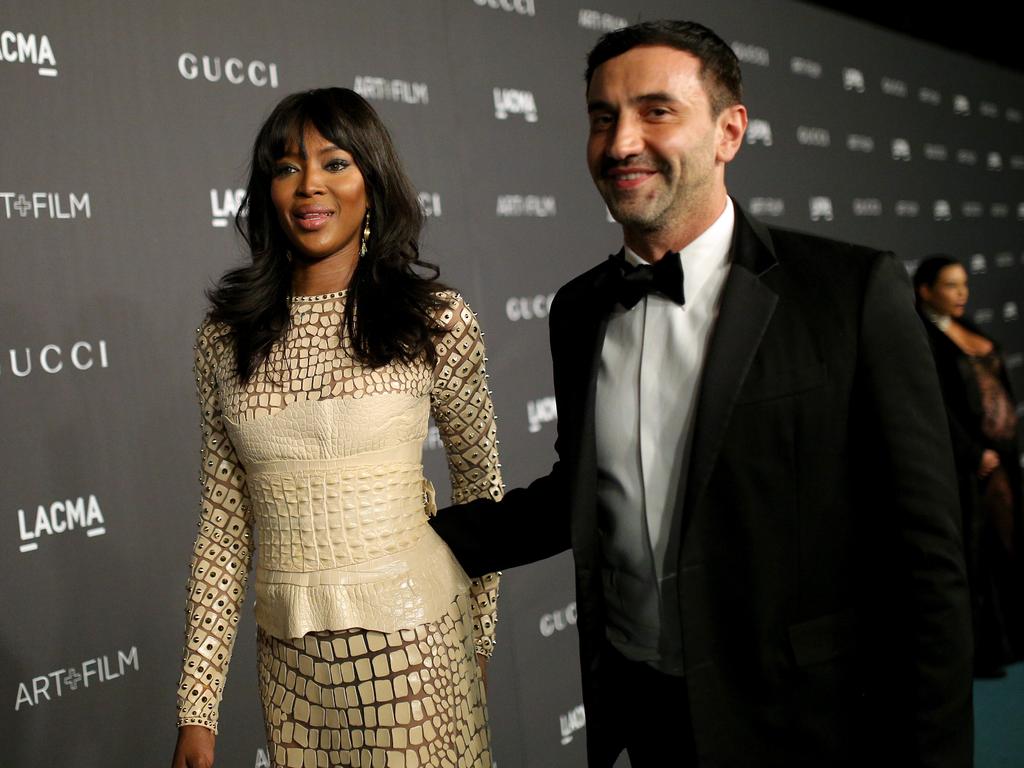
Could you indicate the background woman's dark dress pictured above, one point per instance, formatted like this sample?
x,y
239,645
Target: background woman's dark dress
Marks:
x,y
982,416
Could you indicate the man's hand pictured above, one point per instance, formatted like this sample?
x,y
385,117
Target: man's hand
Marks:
x,y
989,462
194,748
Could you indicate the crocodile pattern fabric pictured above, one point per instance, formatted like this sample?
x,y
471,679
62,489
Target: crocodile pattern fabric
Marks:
x,y
320,456
363,698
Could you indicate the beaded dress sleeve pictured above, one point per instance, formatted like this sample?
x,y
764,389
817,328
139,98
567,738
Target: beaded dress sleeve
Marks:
x,y
221,557
464,414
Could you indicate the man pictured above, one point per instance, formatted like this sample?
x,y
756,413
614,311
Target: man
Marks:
x,y
754,469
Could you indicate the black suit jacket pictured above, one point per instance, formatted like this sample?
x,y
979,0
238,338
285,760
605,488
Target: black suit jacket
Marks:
x,y
822,594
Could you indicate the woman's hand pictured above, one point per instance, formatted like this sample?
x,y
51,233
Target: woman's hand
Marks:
x,y
989,462
194,748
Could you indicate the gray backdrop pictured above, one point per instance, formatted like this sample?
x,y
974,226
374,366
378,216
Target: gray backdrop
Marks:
x,y
126,133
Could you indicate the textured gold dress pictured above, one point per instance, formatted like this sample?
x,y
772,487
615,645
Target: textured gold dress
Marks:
x,y
367,626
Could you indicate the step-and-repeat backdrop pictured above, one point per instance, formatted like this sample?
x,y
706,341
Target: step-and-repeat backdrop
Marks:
x,y
126,128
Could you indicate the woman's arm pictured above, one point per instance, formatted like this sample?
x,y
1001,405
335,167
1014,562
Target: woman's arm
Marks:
x,y
220,567
464,414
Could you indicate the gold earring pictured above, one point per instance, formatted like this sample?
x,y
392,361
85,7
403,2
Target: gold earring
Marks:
x,y
366,235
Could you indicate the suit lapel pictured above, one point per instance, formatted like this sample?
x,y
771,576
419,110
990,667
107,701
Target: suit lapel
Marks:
x,y
747,306
594,318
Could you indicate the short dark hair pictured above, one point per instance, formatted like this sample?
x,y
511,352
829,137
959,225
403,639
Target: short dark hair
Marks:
x,y
720,69
927,272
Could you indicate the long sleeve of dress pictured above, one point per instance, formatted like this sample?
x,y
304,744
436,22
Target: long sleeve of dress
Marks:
x,y
464,414
220,561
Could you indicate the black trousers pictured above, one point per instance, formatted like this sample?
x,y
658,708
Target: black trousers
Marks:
x,y
648,713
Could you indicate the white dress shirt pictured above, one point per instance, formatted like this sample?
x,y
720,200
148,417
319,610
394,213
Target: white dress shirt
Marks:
x,y
647,386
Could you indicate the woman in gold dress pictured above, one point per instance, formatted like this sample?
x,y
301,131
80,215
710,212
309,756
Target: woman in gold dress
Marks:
x,y
317,369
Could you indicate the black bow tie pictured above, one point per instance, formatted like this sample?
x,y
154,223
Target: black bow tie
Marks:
x,y
665,276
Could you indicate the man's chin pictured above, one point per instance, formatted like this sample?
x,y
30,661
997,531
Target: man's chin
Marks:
x,y
626,214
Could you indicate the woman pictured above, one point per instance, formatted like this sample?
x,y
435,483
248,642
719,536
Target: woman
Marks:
x,y
983,424
317,369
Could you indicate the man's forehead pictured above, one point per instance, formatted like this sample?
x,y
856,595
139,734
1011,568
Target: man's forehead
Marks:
x,y
647,69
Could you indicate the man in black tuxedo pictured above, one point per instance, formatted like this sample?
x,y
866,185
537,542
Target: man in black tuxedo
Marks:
x,y
754,471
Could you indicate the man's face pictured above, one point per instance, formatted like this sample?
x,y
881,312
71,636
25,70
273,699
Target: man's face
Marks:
x,y
656,153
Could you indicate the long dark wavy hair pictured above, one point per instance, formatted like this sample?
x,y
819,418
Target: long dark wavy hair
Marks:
x,y
390,305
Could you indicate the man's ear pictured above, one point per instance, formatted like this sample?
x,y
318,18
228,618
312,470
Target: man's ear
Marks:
x,y
730,125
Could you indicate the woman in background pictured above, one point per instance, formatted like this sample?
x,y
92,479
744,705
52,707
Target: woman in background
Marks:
x,y
317,369
983,424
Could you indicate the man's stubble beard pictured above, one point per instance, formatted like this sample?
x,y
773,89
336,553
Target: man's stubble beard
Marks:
x,y
666,217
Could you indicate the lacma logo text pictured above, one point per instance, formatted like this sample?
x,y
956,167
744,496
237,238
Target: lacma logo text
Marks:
x,y
60,517
22,48
572,721
511,101
853,80
821,208
541,412
759,130
225,205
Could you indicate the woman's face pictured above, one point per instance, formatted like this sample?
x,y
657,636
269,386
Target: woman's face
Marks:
x,y
320,198
948,296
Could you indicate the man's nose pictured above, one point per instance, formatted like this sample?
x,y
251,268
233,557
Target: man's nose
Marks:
x,y
626,139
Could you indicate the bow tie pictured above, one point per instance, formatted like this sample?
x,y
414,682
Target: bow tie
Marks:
x,y
665,276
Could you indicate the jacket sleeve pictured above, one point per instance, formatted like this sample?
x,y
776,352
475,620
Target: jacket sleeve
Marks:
x,y
464,414
916,548
527,524
221,556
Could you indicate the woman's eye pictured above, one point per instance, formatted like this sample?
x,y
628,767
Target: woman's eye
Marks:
x,y
283,170
337,165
